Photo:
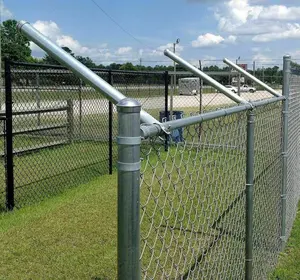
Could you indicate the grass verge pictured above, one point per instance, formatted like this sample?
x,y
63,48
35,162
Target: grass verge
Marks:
x,y
71,236
288,267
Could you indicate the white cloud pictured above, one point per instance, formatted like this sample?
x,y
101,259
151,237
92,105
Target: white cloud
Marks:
x,y
207,40
170,46
124,50
54,33
292,32
5,13
210,40
231,39
280,12
244,17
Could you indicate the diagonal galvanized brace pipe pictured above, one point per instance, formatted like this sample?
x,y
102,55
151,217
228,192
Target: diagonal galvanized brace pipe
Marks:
x,y
78,68
205,77
249,76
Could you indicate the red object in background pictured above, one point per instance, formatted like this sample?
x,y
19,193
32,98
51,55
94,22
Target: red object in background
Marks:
x,y
244,66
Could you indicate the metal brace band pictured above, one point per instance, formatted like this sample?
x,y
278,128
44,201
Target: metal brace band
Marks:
x,y
135,166
129,140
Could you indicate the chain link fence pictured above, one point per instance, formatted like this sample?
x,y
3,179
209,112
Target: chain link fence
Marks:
x,y
192,202
212,198
192,94
219,201
293,155
64,131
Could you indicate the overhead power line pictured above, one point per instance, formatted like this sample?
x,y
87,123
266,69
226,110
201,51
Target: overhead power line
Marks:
x,y
115,22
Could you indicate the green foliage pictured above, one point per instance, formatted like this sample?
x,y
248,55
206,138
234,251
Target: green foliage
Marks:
x,y
88,62
14,45
128,66
52,61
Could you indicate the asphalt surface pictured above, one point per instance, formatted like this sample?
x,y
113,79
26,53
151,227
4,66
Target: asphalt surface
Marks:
x,y
100,106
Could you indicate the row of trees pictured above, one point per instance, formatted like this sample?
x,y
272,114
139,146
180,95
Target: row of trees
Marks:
x,y
16,47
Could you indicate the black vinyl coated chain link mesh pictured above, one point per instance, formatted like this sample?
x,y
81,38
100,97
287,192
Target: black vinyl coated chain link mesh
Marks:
x,y
64,131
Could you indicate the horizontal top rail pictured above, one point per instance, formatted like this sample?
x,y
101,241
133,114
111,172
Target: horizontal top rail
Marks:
x,y
251,77
205,77
81,70
166,127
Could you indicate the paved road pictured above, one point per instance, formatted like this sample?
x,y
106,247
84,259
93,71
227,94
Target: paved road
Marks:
x,y
100,106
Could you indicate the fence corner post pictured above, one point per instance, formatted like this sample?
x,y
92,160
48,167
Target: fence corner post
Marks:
x,y
249,196
70,120
285,112
129,141
9,165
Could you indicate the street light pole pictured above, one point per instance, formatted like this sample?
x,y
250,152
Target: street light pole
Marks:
x,y
174,81
239,78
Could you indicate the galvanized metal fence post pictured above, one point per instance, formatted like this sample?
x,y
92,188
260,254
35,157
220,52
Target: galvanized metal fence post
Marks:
x,y
129,142
110,127
249,195
285,111
9,165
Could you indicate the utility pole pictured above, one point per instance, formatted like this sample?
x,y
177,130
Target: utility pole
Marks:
x,y
239,78
174,81
201,86
253,70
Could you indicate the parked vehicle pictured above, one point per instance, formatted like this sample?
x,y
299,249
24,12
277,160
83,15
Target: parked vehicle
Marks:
x,y
246,88
232,88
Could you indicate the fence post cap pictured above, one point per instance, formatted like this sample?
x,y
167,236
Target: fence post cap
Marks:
x,y
129,105
21,23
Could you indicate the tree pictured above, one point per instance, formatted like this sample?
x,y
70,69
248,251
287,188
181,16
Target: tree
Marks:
x,y
14,45
88,62
128,66
50,60
114,66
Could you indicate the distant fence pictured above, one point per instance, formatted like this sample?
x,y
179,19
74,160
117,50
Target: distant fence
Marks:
x,y
218,203
58,132
60,121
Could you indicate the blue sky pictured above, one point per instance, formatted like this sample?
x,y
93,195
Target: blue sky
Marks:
x,y
259,30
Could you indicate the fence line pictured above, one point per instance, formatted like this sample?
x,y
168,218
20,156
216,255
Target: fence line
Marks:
x,y
224,212
194,192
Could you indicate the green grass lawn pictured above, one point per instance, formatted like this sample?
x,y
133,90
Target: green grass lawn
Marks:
x,y
71,236
192,207
288,267
42,174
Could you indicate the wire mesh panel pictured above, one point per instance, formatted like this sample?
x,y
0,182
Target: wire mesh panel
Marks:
x,y
64,131
192,94
192,202
267,189
146,87
293,160
60,132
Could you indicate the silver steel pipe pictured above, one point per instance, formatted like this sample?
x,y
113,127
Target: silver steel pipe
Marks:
x,y
251,77
156,130
205,77
78,68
